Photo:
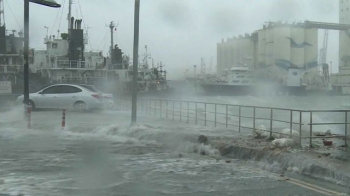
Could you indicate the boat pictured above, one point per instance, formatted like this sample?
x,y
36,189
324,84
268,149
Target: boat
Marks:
x,y
65,60
241,80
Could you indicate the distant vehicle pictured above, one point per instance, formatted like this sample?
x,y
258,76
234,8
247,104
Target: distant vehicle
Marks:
x,y
107,99
64,96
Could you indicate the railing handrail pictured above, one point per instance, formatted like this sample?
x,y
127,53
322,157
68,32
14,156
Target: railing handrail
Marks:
x,y
211,116
249,106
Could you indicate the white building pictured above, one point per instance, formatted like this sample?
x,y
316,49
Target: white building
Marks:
x,y
341,80
274,52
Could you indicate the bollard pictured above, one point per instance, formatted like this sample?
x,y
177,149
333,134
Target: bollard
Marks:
x,y
63,118
29,118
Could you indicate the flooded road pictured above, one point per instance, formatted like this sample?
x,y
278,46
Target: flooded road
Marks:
x,y
113,159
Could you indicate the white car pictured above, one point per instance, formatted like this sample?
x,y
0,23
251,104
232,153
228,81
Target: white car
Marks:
x,y
64,96
107,99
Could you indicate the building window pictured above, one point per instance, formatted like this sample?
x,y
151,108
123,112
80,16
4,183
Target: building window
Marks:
x,y
54,45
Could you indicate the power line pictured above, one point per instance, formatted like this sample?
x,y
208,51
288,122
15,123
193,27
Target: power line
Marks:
x,y
13,14
59,24
103,40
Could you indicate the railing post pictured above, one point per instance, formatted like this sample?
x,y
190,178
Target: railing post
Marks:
x,y
226,115
346,129
205,114
291,123
155,107
271,123
196,113
188,112
173,110
254,120
239,118
215,116
180,111
300,126
166,109
311,146
160,107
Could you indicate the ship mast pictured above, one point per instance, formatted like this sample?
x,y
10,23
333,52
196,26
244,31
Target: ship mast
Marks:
x,y
111,26
69,14
2,13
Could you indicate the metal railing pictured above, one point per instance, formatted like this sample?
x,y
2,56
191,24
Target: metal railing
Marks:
x,y
72,64
244,117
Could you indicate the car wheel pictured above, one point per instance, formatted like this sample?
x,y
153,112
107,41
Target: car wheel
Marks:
x,y
80,106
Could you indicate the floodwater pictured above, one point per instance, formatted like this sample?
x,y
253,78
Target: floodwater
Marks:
x,y
100,154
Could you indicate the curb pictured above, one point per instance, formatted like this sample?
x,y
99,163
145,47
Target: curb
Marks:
x,y
306,166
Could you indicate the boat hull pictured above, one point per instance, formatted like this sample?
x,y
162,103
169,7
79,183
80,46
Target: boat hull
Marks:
x,y
243,90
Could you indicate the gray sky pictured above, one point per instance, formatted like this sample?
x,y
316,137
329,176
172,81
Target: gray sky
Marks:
x,y
177,32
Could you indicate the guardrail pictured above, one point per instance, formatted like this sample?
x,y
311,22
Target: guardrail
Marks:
x,y
243,117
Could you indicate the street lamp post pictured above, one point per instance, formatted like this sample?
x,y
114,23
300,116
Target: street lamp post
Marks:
x,y
135,62
49,3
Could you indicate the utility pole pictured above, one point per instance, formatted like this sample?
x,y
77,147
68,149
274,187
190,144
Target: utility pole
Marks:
x,y
26,55
49,3
135,62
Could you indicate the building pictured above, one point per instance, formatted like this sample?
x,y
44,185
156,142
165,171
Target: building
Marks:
x,y
344,36
273,51
236,51
341,80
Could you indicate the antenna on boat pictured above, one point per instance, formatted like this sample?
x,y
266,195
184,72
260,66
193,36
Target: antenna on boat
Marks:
x,y
113,28
47,31
202,67
69,14
2,13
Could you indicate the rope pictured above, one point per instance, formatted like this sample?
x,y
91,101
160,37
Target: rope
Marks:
x,y
103,40
81,12
13,14
59,25
54,23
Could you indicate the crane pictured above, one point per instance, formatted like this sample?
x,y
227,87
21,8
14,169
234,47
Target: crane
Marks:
x,y
323,51
323,56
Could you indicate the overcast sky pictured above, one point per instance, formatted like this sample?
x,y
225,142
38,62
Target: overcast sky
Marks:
x,y
177,32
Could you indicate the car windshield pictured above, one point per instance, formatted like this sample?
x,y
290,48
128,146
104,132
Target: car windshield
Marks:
x,y
174,97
